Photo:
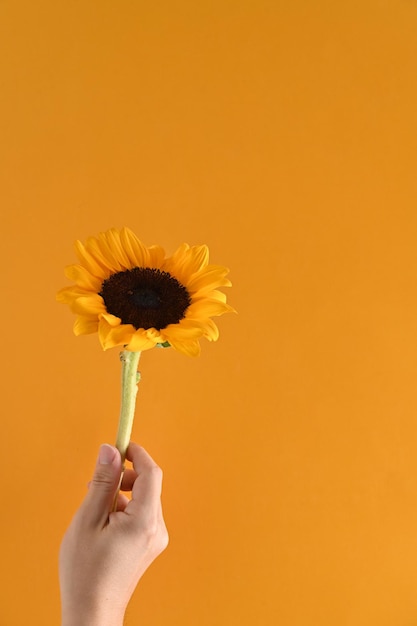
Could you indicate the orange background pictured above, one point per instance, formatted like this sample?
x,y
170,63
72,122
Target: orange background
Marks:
x,y
282,134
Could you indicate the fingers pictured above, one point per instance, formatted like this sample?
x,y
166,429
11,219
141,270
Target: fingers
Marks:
x,y
140,458
122,502
102,488
145,505
129,477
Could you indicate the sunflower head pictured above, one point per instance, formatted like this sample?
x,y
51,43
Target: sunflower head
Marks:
x,y
136,297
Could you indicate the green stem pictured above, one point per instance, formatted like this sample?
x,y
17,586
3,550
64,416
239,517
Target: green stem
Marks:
x,y
130,379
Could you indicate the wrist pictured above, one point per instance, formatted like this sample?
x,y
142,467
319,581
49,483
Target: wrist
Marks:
x,y
78,617
83,620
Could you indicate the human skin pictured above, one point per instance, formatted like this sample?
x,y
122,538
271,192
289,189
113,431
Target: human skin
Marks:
x,y
103,555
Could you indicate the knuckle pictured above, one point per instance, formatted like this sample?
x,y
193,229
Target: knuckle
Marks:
x,y
156,472
164,539
155,536
104,481
151,531
158,541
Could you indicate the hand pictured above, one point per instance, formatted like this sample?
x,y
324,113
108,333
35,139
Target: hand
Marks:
x,y
103,555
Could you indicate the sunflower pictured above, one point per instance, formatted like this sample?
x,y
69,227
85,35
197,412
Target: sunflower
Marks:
x,y
135,297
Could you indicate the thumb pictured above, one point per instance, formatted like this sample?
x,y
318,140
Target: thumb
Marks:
x,y
99,500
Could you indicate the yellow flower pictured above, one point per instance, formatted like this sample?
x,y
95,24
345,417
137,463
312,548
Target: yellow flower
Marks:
x,y
134,296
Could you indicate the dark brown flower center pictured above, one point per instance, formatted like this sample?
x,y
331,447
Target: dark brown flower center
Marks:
x,y
145,297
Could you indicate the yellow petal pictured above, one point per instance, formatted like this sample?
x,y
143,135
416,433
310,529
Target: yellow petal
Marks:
x,y
206,308
88,305
135,250
154,335
85,326
208,279
173,264
69,294
180,253
112,320
156,256
83,278
198,258
189,348
103,330
114,243
94,248
211,331
109,253
187,261
110,336
210,295
90,262
184,331
140,341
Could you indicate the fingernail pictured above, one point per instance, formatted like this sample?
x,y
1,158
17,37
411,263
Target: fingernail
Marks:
x,y
106,454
